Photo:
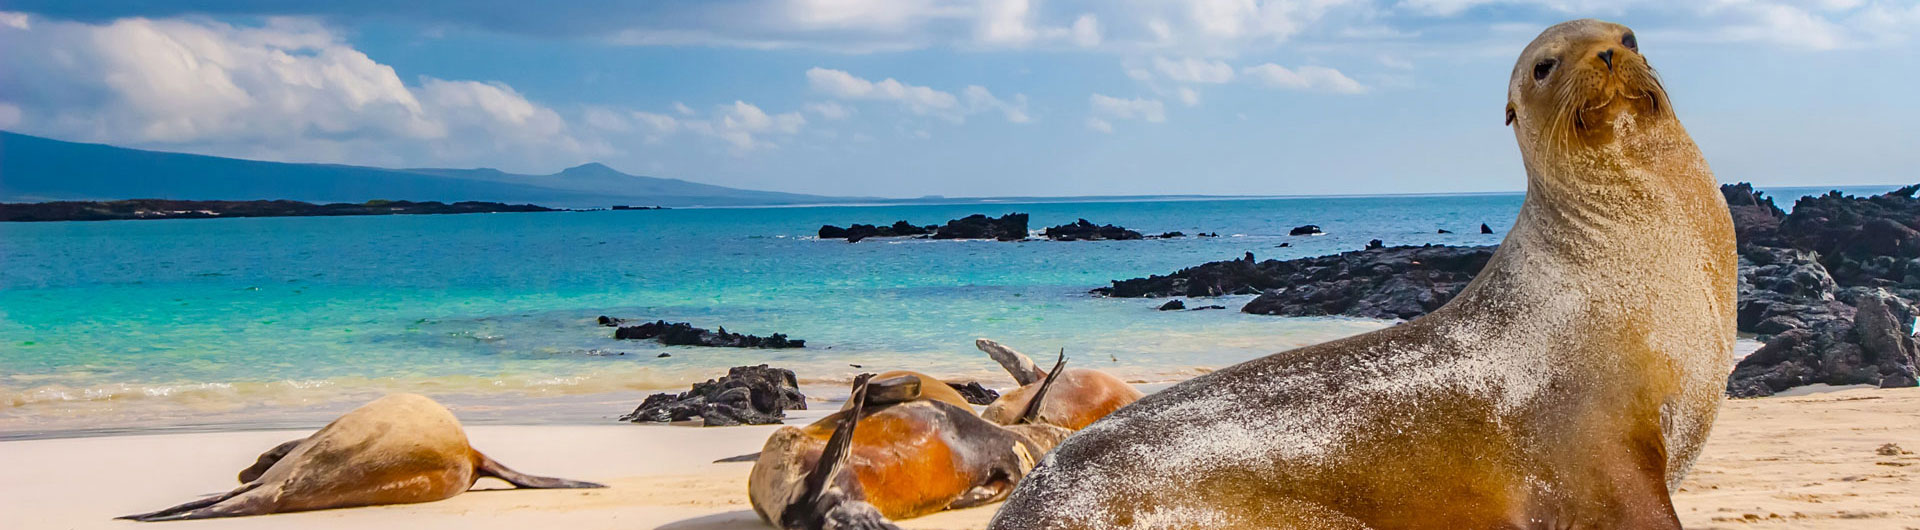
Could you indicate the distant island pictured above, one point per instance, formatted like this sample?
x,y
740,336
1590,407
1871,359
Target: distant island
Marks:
x,y
172,209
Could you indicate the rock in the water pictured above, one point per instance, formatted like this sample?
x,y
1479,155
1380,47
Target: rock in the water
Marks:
x,y
1305,230
1484,229
1170,235
975,394
1376,244
1444,231
611,322
1173,305
748,395
1207,234
1083,230
1009,227
857,232
1395,282
1206,307
684,334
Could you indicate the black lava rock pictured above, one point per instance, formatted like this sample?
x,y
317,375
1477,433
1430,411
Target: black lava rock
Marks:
x,y
1009,227
1082,230
684,334
1173,305
747,395
1305,230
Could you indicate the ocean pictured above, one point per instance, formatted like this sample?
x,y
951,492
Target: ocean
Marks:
x,y
144,326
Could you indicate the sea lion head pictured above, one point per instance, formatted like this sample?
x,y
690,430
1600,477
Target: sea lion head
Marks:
x,y
1583,83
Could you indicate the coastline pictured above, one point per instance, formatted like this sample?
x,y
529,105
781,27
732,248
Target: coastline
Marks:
x,y
1781,462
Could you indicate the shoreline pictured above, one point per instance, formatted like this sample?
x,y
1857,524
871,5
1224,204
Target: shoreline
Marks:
x,y
1777,462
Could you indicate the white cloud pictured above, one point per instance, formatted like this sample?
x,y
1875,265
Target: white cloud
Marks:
x,y
1192,70
1318,78
15,20
1106,109
920,100
606,119
288,90
1086,31
683,109
829,110
9,115
743,126
1189,96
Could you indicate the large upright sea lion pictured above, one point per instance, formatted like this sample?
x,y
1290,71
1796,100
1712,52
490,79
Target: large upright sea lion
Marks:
x,y
402,448
896,451
1570,385
1078,397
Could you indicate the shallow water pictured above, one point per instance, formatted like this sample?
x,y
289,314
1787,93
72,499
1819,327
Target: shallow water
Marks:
x,y
127,326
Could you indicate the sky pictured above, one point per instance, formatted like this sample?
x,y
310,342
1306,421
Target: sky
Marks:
x,y
905,98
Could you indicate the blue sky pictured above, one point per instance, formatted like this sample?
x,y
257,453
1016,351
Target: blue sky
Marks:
x,y
961,98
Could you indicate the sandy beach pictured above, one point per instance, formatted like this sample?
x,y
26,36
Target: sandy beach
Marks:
x,y
1812,461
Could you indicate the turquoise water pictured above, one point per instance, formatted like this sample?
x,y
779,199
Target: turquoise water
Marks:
x,y
139,325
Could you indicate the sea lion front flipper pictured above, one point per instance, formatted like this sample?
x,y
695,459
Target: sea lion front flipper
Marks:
x,y
1032,414
826,503
268,459
487,467
1023,369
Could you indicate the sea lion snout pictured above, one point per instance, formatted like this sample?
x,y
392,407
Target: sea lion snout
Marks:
x,y
1581,81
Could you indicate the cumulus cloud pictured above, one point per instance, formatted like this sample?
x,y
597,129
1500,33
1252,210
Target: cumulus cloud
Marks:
x,y
1194,70
1316,78
743,126
286,90
829,110
1107,109
917,99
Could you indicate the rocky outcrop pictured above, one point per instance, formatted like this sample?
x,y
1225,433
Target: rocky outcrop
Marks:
x,y
1009,227
1381,282
1241,276
1082,230
857,232
1173,305
1305,230
747,395
684,334
1755,218
975,394
1871,241
1871,346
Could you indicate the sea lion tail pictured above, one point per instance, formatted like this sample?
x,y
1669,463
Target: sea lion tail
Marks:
x,y
1023,369
487,467
206,508
1032,413
823,504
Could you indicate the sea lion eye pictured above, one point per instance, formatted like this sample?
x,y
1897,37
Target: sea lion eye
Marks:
x,y
1630,42
1545,67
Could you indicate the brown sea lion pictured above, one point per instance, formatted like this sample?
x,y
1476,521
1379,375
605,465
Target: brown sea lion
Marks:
x,y
399,449
1079,397
892,453
1570,385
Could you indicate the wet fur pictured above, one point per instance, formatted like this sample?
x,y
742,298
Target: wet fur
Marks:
x,y
1570,385
399,449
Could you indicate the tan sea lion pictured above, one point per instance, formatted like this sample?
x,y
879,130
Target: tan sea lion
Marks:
x,y
399,449
1570,385
894,452
1079,397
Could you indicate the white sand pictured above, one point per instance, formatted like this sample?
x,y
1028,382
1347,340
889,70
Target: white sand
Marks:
x,y
1796,462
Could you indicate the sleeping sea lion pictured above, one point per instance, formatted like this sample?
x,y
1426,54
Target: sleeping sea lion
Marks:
x,y
402,448
1079,397
1570,385
894,452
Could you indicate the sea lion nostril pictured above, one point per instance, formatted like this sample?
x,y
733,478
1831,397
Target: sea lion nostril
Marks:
x,y
1607,57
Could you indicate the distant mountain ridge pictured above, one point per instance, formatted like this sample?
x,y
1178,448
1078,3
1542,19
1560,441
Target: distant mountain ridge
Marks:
x,y
36,169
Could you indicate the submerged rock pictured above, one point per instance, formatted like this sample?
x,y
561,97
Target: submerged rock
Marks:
x,y
684,334
1083,230
747,395
975,394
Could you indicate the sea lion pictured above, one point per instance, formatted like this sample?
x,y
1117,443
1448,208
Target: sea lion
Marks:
x,y
893,453
402,448
1079,397
1570,385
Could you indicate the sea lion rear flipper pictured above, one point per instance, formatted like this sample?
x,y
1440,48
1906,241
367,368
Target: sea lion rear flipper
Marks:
x,y
1032,414
487,467
1016,363
892,390
268,459
825,503
206,508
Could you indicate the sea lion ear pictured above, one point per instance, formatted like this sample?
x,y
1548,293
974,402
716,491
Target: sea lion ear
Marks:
x,y
1510,114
